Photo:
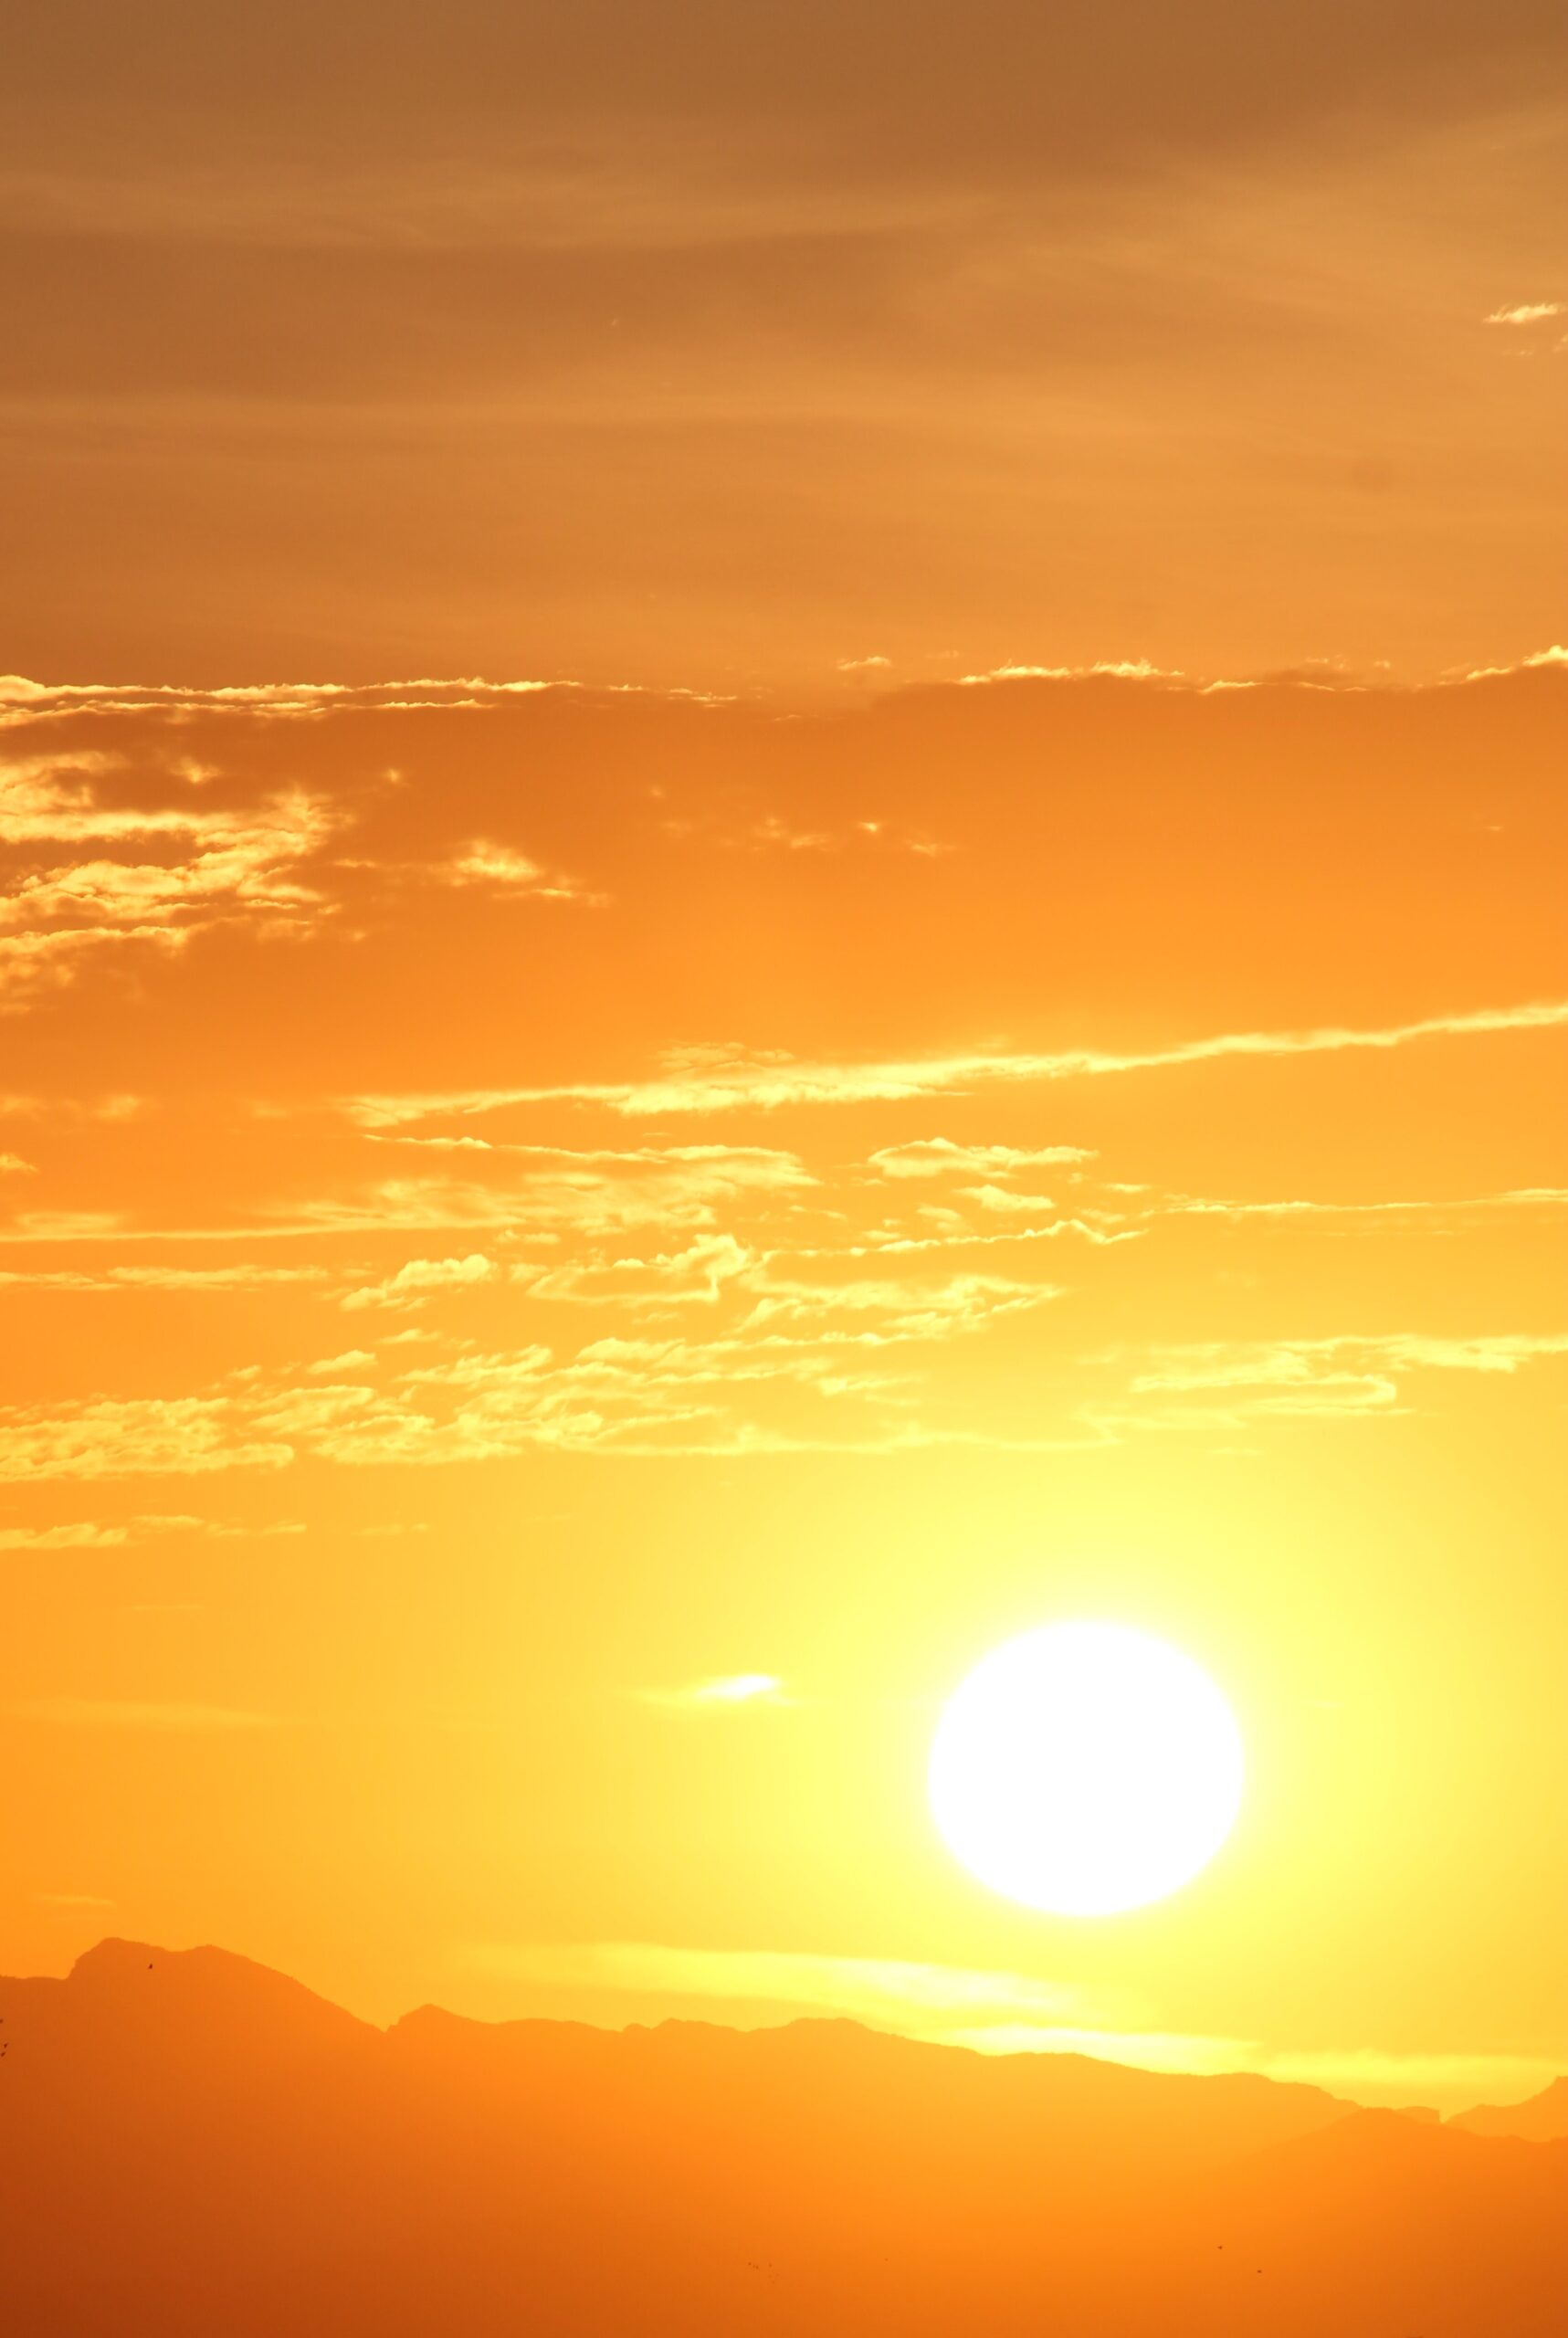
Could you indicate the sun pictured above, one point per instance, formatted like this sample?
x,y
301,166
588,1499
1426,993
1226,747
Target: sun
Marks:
x,y
1085,1768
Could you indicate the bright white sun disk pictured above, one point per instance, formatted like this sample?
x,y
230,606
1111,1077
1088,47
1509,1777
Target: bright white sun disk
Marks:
x,y
1085,1768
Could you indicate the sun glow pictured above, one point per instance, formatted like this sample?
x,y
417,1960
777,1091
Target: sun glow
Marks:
x,y
1085,1768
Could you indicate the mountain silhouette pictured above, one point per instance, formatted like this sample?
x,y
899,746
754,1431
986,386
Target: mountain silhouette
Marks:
x,y
191,2144
1543,2119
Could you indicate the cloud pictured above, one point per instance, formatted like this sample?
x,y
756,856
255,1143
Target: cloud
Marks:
x,y
1103,1228
784,1337
34,964
1448,1210
416,1283
991,2012
82,1536
939,1156
1178,2052
701,1083
793,1367
103,1437
1362,2071
70,1108
1209,1365
1529,312
1357,2074
699,1273
723,1694
240,861
1556,655
1125,669
220,866
217,1529
887,1310
885,1993
86,1534
23,700
31,788
774,829
576,1193
1002,1202
498,869
1345,1375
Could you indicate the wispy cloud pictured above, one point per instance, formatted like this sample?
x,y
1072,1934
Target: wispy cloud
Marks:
x,y
990,2013
1346,1376
499,869
81,1535
32,964
722,1694
420,1279
1251,1363
784,1361
215,865
1371,2073
702,1082
105,1437
89,1534
1451,1210
1122,669
23,700
939,1156
885,1993
550,1190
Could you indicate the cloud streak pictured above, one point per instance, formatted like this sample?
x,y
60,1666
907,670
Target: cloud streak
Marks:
x,y
989,2012
887,1993
766,1083
727,1693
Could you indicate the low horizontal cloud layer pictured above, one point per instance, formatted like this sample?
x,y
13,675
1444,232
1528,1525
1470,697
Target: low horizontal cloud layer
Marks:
x,y
860,1988
990,2012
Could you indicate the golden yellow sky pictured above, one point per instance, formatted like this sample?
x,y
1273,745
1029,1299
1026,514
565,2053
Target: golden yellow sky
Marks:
x,y
521,1204
899,971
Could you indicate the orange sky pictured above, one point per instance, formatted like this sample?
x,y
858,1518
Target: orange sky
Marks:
x,y
521,1204
799,1129
715,343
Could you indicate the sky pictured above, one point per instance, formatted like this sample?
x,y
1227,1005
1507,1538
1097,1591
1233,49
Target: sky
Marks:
x,y
894,970
715,344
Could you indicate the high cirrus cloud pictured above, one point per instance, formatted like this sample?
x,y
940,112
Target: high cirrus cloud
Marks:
x,y
737,1084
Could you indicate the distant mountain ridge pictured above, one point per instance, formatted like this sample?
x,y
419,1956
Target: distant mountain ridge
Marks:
x,y
1543,2119
192,2143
